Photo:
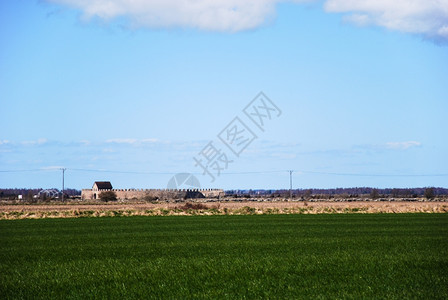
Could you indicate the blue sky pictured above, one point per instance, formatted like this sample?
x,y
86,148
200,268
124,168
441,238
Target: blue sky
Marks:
x,y
131,92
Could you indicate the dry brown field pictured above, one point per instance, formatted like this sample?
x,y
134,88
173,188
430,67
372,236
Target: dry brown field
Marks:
x,y
61,210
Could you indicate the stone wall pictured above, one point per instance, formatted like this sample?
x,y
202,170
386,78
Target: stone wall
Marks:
x,y
154,194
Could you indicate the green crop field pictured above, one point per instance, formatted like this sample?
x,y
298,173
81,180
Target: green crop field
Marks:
x,y
354,256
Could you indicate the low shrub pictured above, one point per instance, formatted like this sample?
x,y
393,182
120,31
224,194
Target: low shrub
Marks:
x,y
194,206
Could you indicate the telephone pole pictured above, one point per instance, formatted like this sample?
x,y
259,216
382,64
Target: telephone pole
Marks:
x,y
63,171
290,184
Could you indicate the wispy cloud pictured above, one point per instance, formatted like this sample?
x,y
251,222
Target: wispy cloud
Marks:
x,y
150,141
402,145
85,142
109,150
122,141
426,17
132,141
40,141
388,146
284,155
50,168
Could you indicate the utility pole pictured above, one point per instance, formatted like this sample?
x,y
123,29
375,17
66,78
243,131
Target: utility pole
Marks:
x,y
63,171
290,184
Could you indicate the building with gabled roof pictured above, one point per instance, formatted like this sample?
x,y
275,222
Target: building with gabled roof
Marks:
x,y
102,185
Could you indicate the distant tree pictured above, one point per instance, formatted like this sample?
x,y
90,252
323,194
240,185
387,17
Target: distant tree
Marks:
x,y
395,193
307,194
429,193
108,196
374,194
29,196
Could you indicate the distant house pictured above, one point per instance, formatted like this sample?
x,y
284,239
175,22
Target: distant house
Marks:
x,y
97,188
102,185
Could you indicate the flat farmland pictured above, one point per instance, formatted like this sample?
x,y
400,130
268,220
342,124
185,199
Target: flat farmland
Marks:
x,y
324,256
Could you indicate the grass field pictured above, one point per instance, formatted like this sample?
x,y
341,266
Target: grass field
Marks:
x,y
263,256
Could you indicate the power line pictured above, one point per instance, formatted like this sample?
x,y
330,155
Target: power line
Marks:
x,y
122,172
63,171
298,171
25,170
251,172
290,183
373,175
172,173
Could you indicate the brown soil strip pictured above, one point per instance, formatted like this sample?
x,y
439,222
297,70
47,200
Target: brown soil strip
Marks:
x,y
73,210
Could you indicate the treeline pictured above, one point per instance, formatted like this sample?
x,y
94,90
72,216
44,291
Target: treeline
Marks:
x,y
356,192
8,193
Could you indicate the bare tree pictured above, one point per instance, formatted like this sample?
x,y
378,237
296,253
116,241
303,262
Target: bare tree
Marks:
x,y
429,193
108,196
374,194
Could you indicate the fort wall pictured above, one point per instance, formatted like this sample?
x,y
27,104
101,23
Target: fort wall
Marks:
x,y
154,194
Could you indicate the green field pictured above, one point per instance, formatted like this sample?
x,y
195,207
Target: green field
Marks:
x,y
266,256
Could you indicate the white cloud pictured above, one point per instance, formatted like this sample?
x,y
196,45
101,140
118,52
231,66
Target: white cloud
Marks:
x,y
426,17
214,15
443,31
4,142
402,145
